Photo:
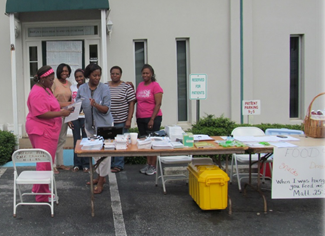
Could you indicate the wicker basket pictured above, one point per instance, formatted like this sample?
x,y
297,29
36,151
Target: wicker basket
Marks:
x,y
314,127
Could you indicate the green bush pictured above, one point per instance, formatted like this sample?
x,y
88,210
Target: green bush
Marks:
x,y
7,146
213,126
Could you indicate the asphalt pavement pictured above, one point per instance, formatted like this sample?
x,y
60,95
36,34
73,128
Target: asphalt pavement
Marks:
x,y
131,204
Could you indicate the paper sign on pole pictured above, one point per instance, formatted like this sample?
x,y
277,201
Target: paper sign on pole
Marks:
x,y
251,107
198,86
298,172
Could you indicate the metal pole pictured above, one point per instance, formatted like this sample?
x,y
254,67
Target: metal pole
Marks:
x,y
241,63
197,110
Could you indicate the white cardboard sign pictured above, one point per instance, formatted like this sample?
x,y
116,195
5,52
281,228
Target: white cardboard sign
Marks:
x,y
298,172
198,86
251,107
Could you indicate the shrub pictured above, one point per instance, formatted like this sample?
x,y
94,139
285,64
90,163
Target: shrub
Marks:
x,y
213,126
7,146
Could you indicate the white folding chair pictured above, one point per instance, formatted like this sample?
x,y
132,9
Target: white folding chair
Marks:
x,y
171,160
244,158
29,177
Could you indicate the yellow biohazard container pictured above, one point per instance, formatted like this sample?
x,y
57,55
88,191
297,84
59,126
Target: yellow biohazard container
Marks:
x,y
208,186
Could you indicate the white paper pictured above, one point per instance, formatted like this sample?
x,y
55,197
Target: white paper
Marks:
x,y
282,144
202,137
75,114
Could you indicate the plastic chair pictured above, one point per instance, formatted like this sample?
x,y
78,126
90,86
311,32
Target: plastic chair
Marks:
x,y
283,131
171,160
244,158
28,177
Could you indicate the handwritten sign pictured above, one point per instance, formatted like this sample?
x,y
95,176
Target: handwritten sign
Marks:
x,y
31,157
298,172
251,107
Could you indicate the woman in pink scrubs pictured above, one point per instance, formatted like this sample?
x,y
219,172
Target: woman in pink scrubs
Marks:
x,y
43,122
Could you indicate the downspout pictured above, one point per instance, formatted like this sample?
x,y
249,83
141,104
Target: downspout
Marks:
x,y
241,63
14,76
104,47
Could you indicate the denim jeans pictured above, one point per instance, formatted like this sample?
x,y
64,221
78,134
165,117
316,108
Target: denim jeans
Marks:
x,y
119,161
78,128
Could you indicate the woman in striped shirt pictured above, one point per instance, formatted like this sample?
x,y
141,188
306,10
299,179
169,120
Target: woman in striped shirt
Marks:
x,y
122,108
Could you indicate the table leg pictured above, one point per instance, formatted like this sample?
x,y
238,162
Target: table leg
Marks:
x,y
91,187
258,181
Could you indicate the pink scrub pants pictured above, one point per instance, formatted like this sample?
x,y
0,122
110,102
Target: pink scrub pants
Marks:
x,y
49,144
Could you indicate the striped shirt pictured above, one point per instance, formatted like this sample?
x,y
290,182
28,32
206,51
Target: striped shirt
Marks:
x,y
121,96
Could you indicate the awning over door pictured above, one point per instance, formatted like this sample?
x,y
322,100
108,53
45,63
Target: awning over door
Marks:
x,y
16,6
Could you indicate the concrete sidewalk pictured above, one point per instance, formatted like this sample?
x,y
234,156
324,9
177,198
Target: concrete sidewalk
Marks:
x,y
131,205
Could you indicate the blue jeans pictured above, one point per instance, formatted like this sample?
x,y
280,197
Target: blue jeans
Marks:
x,y
119,161
78,126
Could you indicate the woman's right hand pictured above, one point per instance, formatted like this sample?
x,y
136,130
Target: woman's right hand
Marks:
x,y
70,124
66,112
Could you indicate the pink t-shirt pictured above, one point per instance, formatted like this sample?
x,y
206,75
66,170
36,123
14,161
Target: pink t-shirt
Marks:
x,y
146,99
40,102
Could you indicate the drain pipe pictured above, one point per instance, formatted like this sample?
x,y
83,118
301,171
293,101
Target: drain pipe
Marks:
x,y
241,63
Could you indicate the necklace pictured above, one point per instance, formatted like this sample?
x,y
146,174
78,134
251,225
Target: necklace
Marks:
x,y
43,88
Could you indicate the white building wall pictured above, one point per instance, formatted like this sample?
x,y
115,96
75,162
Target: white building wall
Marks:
x,y
272,24
212,28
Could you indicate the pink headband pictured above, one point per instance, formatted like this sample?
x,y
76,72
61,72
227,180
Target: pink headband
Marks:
x,y
47,73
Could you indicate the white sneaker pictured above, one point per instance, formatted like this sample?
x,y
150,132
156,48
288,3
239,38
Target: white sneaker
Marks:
x,y
144,169
54,199
151,170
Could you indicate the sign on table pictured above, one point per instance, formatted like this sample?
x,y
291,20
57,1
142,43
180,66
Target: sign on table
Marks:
x,y
251,107
298,172
198,86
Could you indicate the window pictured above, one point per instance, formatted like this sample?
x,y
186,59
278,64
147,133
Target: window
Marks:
x,y
33,64
140,58
296,58
93,53
182,74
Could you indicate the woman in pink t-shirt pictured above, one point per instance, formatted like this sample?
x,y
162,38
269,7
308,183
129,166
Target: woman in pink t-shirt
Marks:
x,y
43,122
149,115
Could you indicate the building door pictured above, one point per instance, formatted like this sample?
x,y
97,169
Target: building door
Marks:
x,y
69,52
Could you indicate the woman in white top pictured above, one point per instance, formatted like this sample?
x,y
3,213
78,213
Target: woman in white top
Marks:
x,y
78,126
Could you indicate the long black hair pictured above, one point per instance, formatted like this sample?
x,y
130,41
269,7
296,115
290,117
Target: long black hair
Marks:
x,y
147,66
59,70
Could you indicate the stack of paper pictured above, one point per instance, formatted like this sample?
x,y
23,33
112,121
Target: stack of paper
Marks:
x,y
109,144
91,144
203,145
161,145
144,144
121,142
177,144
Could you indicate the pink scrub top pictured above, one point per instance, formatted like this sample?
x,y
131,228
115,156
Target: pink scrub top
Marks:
x,y
40,102
146,99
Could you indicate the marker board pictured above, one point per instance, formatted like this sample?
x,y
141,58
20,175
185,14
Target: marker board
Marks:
x,y
298,172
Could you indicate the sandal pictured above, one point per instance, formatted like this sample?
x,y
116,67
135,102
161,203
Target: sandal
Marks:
x,y
75,169
55,170
85,170
116,170
98,190
63,167
95,181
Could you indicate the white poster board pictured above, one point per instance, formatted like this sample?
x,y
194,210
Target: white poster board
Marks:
x,y
298,172
251,107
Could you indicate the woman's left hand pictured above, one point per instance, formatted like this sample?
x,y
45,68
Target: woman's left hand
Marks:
x,y
127,124
150,124
92,102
